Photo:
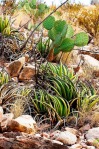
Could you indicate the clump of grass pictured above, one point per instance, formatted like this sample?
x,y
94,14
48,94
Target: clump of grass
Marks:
x,y
88,19
4,78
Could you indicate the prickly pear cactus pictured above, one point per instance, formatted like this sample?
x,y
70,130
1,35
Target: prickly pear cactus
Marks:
x,y
62,35
70,31
67,45
49,23
81,39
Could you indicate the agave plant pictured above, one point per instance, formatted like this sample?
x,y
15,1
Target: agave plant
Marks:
x,y
4,78
55,96
5,25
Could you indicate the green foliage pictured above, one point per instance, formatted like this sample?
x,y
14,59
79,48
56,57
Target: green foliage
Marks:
x,y
49,23
81,39
56,100
62,35
67,45
5,25
70,31
33,8
4,78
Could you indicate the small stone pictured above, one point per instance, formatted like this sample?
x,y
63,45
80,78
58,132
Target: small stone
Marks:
x,y
23,123
72,130
76,146
90,147
93,133
57,142
67,138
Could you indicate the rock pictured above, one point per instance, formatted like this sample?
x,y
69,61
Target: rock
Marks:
x,y
90,50
90,147
24,123
57,142
93,133
67,138
69,58
90,65
72,130
76,146
5,121
15,67
85,128
21,18
14,140
27,73
1,114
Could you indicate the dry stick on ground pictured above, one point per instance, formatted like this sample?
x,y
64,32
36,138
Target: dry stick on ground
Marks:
x,y
23,46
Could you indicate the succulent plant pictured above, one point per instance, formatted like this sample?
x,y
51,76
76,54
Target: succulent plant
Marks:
x,y
49,23
62,35
81,39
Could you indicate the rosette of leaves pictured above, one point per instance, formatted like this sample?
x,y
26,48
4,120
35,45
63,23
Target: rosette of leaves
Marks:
x,y
5,25
62,35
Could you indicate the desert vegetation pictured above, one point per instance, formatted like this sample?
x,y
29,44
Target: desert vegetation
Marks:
x,y
49,66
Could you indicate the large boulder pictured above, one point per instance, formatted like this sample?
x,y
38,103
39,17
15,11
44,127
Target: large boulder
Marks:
x,y
24,123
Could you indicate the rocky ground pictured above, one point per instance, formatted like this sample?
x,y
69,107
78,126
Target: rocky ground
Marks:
x,y
23,132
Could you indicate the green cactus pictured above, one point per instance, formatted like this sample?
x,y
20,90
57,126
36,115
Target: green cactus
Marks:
x,y
67,45
70,31
62,35
41,7
49,23
81,39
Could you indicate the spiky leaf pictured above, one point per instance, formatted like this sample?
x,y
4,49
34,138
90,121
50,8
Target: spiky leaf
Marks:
x,y
67,45
70,31
49,23
81,39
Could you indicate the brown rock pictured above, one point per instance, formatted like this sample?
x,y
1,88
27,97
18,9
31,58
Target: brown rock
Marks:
x,y
24,123
19,141
27,73
14,67
6,119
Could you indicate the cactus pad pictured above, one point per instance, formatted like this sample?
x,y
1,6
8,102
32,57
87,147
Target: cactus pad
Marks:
x,y
67,45
49,23
81,39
